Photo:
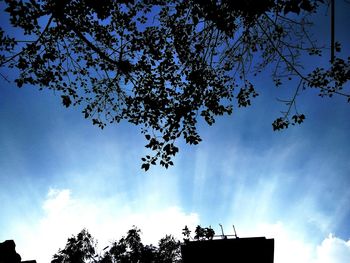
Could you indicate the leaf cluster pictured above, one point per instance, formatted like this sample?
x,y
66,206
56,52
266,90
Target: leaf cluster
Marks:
x,y
164,65
201,233
129,249
79,249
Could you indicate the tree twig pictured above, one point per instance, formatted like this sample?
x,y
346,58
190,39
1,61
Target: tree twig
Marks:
x,y
34,43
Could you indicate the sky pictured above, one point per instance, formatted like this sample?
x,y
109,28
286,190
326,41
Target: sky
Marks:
x,y
60,174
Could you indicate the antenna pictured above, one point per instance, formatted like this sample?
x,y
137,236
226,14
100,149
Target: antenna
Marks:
x,y
234,229
222,231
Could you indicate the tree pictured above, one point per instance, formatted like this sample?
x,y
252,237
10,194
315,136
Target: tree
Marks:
x,y
129,249
164,65
201,233
168,250
79,249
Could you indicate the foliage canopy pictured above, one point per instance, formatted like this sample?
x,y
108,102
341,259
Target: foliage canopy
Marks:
x,y
163,65
129,249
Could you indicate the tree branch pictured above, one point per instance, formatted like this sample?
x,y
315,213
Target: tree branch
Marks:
x,y
103,55
34,43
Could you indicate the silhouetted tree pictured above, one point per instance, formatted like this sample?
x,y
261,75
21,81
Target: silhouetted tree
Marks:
x,y
201,233
168,250
129,249
79,249
163,65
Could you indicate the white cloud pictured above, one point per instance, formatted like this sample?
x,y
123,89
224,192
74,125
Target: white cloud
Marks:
x,y
106,220
57,200
333,250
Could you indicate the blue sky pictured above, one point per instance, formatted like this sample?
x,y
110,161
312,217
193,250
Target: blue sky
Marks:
x,y
58,174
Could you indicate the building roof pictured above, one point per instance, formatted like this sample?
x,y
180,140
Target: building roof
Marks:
x,y
235,250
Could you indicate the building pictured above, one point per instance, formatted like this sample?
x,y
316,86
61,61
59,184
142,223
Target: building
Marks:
x,y
234,250
8,253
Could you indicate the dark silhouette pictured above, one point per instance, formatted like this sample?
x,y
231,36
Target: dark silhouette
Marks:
x,y
129,249
235,250
203,247
208,247
8,253
164,65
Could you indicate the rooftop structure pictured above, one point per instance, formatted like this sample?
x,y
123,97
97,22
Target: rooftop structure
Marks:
x,y
234,250
8,253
